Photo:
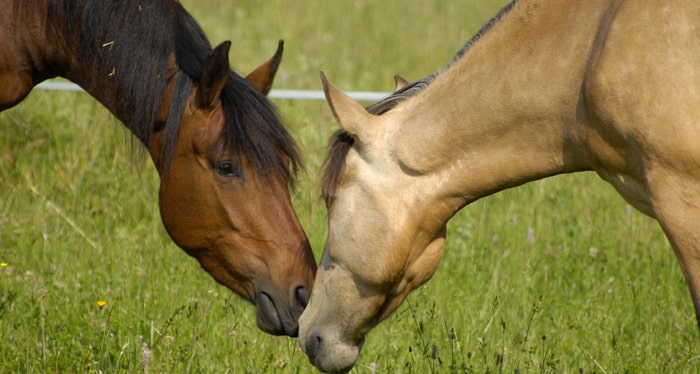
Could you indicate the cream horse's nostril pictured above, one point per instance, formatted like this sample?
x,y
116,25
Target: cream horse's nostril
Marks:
x,y
313,346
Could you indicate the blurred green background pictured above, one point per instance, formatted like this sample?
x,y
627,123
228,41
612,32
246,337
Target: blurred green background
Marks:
x,y
555,276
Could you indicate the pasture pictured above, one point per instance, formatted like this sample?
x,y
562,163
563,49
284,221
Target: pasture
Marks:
x,y
555,276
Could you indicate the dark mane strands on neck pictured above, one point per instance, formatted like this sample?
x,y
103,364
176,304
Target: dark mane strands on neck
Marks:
x,y
341,142
128,43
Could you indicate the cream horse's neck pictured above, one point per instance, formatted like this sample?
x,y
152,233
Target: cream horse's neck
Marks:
x,y
495,120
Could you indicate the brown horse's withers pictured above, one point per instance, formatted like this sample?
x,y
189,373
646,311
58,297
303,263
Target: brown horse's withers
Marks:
x,y
224,158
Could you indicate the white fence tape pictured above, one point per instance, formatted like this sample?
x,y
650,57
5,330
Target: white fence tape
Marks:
x,y
274,94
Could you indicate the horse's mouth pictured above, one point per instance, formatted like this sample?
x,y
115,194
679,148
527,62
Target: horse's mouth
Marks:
x,y
271,321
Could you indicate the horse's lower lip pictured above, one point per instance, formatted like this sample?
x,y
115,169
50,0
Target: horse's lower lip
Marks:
x,y
268,311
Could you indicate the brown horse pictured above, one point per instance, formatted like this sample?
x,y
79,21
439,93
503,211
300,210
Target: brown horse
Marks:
x,y
224,158
546,87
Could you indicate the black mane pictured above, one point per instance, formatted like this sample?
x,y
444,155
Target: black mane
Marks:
x,y
129,42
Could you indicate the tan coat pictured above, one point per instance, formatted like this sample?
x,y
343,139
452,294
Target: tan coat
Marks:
x,y
554,86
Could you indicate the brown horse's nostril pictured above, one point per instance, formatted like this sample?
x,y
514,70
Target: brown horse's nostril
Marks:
x,y
301,296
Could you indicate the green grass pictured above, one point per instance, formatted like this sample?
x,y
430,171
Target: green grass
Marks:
x,y
555,276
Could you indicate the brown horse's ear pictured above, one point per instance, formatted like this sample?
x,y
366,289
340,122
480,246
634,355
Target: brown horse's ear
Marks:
x,y
264,75
215,73
400,82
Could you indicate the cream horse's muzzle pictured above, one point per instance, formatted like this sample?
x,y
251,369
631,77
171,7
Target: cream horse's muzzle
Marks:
x,y
329,356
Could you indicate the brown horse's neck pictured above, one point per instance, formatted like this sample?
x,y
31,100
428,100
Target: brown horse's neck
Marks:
x,y
35,41
505,113
125,71
27,52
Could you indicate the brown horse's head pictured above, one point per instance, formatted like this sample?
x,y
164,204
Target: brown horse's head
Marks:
x,y
227,205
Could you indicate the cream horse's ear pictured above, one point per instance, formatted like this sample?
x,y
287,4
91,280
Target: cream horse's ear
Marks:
x,y
400,82
351,116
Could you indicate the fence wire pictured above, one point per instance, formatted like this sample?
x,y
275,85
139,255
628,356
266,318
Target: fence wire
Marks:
x,y
274,93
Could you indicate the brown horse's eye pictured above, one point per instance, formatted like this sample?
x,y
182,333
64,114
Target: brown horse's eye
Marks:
x,y
227,169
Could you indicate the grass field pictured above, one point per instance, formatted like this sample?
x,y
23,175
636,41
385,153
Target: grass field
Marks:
x,y
555,276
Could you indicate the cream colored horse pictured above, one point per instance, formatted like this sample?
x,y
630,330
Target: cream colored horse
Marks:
x,y
547,87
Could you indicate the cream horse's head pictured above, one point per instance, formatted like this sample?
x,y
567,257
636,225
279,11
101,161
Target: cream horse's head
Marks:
x,y
385,236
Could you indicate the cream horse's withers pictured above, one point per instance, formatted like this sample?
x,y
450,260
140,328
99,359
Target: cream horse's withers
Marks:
x,y
547,87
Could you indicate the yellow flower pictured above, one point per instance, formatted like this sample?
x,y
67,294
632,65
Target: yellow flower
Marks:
x,y
3,264
101,304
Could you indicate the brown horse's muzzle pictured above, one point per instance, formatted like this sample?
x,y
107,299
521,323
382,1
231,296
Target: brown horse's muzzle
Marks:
x,y
279,314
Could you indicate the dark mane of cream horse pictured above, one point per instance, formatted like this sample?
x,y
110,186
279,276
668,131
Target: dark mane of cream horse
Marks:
x,y
547,87
224,158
